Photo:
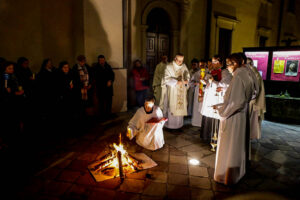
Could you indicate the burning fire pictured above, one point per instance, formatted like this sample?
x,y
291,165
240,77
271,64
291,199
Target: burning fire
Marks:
x,y
118,162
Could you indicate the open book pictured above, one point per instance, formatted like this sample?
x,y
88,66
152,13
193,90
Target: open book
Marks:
x,y
156,120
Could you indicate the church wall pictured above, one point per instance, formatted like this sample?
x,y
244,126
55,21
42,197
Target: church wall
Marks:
x,y
103,34
244,23
36,29
196,26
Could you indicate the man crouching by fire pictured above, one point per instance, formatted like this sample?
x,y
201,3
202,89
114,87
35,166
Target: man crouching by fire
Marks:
x,y
147,126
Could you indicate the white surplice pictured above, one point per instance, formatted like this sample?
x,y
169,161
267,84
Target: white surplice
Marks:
x,y
211,97
158,90
148,135
230,165
175,100
257,107
194,84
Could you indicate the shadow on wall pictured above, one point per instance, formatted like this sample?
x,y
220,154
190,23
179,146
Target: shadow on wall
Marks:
x,y
95,36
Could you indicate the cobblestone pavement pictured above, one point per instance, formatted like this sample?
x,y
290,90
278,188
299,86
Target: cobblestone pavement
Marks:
x,y
274,171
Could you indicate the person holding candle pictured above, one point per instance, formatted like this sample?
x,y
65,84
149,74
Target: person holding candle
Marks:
x,y
10,96
198,94
147,125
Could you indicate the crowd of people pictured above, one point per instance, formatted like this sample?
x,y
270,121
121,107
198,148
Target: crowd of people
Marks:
x,y
225,98
54,95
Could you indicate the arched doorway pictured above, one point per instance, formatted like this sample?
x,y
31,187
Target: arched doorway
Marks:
x,y
158,38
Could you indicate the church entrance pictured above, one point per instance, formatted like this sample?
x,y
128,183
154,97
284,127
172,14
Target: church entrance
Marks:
x,y
158,38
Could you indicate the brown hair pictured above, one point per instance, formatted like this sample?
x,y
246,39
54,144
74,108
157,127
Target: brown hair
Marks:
x,y
236,58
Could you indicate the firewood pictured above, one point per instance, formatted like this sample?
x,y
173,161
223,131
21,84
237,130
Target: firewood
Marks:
x,y
106,157
109,171
103,164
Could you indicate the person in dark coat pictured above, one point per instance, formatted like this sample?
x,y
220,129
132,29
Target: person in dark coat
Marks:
x,y
25,76
46,86
65,88
104,78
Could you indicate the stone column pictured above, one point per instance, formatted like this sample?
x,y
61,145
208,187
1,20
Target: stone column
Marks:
x,y
184,9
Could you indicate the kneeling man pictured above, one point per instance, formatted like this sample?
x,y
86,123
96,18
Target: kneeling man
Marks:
x,y
147,125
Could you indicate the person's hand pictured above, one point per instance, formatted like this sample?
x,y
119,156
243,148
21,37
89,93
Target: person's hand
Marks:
x,y
8,90
219,89
109,83
128,134
179,82
21,92
203,82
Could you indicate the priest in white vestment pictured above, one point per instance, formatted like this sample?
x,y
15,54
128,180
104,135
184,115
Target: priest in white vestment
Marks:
x,y
230,165
175,102
257,106
147,126
158,90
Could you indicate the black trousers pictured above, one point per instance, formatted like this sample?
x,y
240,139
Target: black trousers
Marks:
x,y
105,105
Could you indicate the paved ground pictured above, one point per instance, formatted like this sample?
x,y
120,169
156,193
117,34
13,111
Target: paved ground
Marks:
x,y
62,171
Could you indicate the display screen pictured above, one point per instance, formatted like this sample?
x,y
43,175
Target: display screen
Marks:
x,y
260,61
285,66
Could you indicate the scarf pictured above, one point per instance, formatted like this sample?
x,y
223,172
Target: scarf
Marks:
x,y
84,75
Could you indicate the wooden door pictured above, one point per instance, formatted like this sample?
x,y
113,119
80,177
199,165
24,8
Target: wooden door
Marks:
x,y
157,45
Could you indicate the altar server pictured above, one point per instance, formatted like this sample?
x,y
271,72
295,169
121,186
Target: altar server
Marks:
x,y
147,126
230,165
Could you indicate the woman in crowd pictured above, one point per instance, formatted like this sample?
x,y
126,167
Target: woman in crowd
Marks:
x,y
65,88
230,164
141,82
11,96
47,88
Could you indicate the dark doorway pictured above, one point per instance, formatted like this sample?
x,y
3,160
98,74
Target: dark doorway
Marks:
x,y
158,42
225,36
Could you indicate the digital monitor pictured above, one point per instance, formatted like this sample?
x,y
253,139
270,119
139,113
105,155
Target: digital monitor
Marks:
x,y
260,61
285,66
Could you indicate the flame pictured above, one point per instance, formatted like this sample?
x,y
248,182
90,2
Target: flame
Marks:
x,y
127,162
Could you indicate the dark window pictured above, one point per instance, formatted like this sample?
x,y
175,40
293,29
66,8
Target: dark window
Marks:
x,y
225,42
262,41
291,6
